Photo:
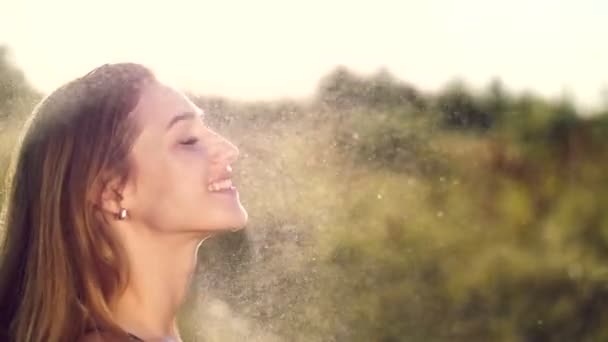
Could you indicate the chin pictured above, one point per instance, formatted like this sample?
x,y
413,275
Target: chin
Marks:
x,y
238,221
235,220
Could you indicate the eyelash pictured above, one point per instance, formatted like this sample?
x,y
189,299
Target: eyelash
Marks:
x,y
189,141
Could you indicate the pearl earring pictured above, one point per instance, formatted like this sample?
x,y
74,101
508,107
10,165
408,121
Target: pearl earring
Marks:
x,y
122,214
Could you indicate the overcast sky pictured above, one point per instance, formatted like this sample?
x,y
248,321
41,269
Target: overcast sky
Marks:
x,y
270,49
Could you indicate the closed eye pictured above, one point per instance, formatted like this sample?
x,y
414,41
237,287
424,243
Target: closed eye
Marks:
x,y
189,141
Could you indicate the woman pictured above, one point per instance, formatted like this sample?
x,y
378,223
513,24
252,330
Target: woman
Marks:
x,y
116,183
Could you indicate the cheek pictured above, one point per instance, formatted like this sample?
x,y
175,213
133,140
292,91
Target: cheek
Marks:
x,y
188,171
172,188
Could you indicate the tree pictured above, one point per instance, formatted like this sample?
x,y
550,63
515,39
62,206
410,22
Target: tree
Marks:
x,y
460,109
16,94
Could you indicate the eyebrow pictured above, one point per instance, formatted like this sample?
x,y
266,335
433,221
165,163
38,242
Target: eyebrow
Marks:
x,y
185,116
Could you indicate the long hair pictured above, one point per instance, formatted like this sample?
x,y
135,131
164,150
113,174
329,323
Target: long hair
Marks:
x,y
59,269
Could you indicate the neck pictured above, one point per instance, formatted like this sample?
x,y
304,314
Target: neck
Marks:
x,y
161,268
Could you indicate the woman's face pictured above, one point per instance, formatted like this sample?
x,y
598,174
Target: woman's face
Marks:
x,y
177,162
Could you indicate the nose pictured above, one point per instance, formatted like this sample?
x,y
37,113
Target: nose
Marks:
x,y
222,150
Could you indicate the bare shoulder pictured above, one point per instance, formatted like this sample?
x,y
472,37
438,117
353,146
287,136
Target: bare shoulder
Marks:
x,y
102,337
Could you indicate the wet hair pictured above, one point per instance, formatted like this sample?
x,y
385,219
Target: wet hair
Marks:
x,y
60,271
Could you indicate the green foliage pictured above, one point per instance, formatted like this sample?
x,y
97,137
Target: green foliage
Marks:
x,y
429,225
343,89
17,98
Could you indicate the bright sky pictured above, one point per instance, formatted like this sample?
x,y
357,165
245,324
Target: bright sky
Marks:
x,y
266,49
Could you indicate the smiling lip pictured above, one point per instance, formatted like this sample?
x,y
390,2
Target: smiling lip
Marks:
x,y
231,191
228,191
225,174
221,186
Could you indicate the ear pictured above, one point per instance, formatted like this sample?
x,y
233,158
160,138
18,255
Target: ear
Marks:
x,y
111,196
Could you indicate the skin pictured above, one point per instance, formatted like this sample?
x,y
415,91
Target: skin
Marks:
x,y
170,208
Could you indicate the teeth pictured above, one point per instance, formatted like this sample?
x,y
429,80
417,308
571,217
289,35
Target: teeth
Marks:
x,y
220,185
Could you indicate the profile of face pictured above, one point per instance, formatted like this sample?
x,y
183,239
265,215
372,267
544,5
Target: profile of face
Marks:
x,y
180,169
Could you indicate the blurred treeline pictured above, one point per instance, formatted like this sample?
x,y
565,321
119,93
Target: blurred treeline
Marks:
x,y
379,212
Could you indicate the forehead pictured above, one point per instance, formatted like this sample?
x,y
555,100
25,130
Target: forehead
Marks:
x,y
158,103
